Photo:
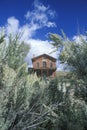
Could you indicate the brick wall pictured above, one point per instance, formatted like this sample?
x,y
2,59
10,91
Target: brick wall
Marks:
x,y
40,61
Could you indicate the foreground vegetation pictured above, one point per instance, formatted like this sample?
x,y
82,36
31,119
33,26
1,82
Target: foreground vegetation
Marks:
x,y
29,103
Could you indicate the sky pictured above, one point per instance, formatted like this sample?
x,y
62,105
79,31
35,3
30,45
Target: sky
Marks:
x,y
36,18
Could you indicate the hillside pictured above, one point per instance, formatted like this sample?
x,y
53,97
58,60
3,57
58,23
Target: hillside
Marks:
x,y
61,73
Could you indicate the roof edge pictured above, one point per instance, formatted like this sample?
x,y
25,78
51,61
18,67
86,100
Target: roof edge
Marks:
x,y
43,55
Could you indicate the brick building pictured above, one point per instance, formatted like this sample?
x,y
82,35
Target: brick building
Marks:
x,y
44,65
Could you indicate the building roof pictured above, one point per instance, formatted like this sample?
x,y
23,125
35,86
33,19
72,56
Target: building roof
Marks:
x,y
44,55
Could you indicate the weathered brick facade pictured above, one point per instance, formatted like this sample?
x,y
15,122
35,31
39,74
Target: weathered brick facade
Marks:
x,y
44,65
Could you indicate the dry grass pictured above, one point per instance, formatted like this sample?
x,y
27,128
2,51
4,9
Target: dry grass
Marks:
x,y
61,73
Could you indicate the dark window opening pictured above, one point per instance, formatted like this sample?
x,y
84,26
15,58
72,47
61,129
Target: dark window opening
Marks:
x,y
37,65
51,65
44,64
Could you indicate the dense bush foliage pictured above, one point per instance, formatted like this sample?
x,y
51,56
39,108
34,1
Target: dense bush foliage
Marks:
x,y
30,103
74,56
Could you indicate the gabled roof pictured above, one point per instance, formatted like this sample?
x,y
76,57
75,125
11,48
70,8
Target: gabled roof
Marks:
x,y
44,55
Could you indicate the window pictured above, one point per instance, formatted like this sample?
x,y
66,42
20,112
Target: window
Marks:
x,y
51,65
44,64
37,65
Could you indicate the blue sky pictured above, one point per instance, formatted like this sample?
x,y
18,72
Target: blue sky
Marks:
x,y
36,18
69,14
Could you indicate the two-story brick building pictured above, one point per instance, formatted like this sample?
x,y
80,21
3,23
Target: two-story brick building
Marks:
x,y
44,65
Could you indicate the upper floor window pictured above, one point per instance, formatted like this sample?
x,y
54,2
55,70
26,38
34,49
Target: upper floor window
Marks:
x,y
37,65
51,65
44,64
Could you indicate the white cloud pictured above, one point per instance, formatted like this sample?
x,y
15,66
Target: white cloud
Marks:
x,y
78,38
51,13
41,15
51,24
12,25
28,30
37,18
39,6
